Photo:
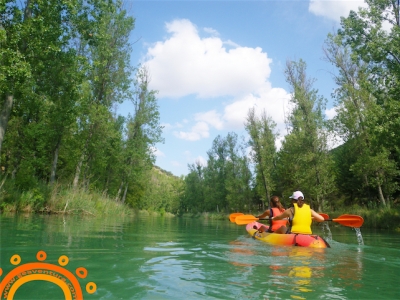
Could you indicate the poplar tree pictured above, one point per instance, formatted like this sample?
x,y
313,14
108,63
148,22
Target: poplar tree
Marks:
x,y
304,155
262,142
356,122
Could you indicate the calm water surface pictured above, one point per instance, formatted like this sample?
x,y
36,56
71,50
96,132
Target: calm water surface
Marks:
x,y
174,258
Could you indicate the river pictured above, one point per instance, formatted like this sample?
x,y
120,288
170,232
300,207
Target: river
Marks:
x,y
144,257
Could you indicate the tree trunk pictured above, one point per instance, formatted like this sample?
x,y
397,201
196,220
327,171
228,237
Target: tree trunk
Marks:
x,y
5,114
78,171
124,197
381,197
54,166
119,191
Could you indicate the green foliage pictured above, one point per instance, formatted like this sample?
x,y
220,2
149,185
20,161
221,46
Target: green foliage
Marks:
x,y
225,182
304,161
264,155
66,64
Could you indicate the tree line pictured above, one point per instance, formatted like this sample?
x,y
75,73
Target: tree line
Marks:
x,y
362,171
64,68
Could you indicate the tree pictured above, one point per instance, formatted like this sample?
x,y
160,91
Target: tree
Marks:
x,y
356,122
143,133
262,142
238,180
108,75
304,155
193,197
373,35
215,175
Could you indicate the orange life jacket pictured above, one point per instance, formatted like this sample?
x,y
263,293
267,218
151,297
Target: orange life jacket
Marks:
x,y
276,224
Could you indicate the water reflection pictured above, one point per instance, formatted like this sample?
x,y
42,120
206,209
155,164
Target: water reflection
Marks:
x,y
349,268
306,263
237,250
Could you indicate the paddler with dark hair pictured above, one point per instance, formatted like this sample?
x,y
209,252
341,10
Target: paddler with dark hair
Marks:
x,y
278,226
301,215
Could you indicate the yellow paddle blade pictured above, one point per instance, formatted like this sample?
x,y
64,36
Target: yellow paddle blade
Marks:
x,y
233,216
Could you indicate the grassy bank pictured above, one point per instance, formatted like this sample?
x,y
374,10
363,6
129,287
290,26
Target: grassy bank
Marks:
x,y
59,200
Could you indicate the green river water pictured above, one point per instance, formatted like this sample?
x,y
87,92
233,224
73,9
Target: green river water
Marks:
x,y
146,257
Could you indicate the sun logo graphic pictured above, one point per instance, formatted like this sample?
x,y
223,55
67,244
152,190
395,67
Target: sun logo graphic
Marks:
x,y
41,270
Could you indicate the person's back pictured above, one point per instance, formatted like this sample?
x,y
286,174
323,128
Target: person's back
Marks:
x,y
301,215
278,226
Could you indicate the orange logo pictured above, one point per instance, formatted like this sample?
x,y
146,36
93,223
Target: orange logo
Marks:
x,y
46,272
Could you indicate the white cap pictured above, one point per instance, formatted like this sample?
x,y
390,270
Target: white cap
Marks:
x,y
296,195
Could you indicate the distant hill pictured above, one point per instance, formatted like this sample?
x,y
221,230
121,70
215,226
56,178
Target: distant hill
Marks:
x,y
162,171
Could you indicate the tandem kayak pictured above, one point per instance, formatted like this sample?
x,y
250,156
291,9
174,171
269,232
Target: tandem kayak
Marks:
x,y
290,239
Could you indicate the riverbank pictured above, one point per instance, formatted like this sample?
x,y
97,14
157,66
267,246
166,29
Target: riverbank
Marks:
x,y
69,201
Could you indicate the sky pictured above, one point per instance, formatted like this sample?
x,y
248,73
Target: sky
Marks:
x,y
212,61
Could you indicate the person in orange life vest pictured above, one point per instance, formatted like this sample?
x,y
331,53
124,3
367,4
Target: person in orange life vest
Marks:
x,y
301,215
276,209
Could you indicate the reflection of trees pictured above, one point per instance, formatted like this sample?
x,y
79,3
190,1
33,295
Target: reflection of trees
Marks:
x,y
349,268
237,252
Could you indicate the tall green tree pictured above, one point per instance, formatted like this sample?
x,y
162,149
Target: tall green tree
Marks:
x,y
107,53
358,111
373,35
215,175
193,197
304,155
262,142
143,133
238,182
14,69
43,106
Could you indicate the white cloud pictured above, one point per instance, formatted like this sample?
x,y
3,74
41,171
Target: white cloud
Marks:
x,y
274,101
211,31
200,159
157,152
334,9
198,131
186,64
211,117
331,113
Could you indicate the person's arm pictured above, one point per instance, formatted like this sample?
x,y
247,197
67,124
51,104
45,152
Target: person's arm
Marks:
x,y
264,214
285,214
317,217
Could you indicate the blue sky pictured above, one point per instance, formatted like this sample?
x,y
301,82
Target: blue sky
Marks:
x,y
211,61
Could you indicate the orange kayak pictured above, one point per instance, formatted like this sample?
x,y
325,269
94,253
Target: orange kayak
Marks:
x,y
290,239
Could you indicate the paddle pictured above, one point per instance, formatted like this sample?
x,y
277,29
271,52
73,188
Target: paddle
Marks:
x,y
349,220
246,219
325,216
251,218
233,216
345,220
